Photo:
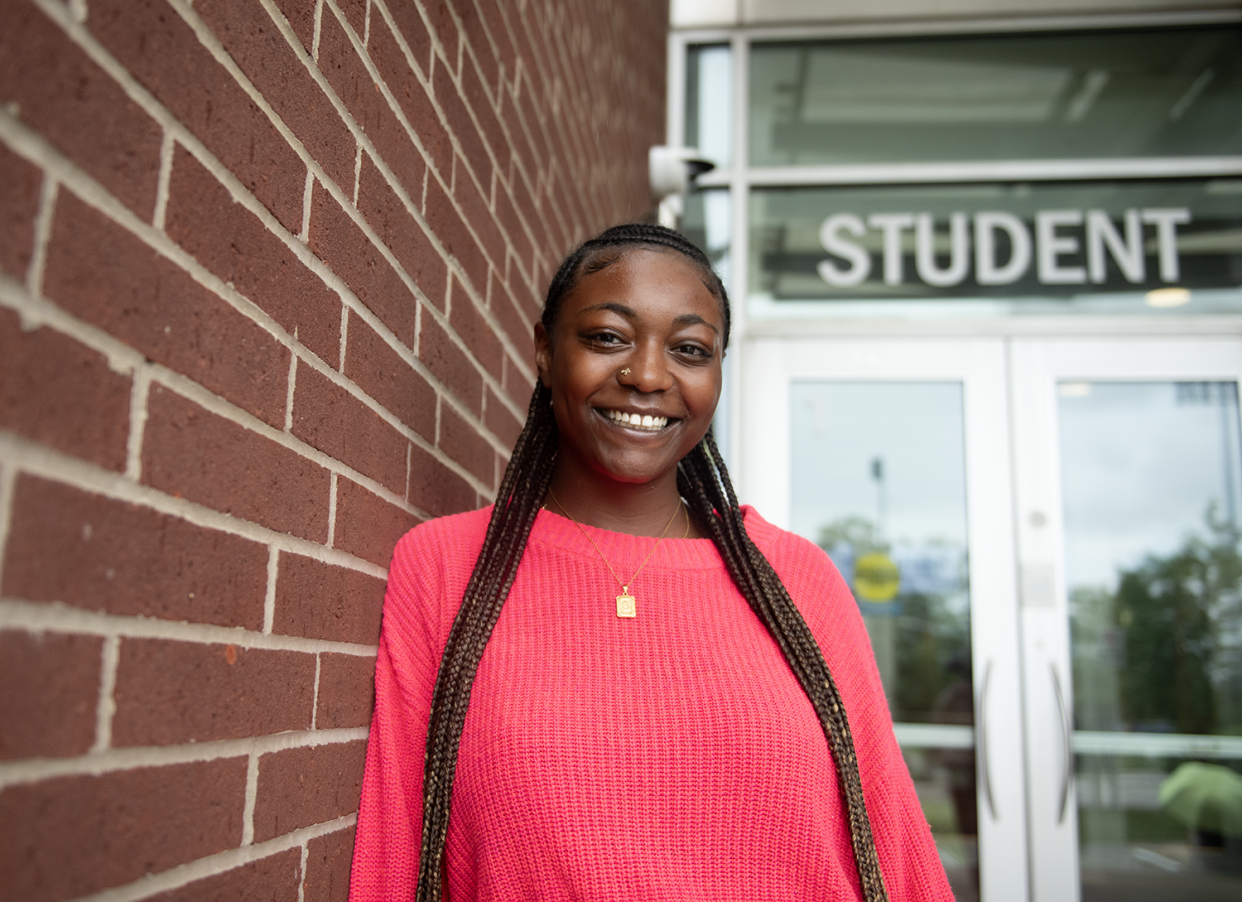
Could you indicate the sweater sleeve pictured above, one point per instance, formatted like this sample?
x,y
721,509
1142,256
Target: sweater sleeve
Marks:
x,y
389,832
909,860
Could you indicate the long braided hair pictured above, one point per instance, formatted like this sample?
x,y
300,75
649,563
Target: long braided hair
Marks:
x,y
704,483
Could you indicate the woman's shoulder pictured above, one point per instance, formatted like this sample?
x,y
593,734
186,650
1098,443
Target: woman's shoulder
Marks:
x,y
783,548
436,536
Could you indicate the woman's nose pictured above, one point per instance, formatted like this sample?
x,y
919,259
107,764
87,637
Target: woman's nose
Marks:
x,y
646,370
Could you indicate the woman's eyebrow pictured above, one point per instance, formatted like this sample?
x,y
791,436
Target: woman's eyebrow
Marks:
x,y
693,319
614,306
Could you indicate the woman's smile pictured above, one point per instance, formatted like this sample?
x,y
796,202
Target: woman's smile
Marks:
x,y
634,367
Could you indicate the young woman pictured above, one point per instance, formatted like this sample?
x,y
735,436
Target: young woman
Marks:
x,y
615,683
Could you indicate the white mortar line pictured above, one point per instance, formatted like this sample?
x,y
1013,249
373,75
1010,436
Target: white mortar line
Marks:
x,y
315,697
103,201
331,511
269,596
366,25
8,479
175,878
252,794
139,392
315,40
357,170
167,145
105,705
344,334
56,617
32,770
290,387
35,148
409,458
302,873
39,460
307,194
122,357
77,9
42,231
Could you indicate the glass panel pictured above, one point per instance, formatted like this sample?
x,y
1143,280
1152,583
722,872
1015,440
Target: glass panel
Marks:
x,y
707,222
1124,247
1166,92
709,101
891,512
1152,476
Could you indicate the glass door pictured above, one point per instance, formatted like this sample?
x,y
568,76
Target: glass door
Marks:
x,y
893,457
1129,493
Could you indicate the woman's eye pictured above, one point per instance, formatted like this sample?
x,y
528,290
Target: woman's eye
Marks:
x,y
604,338
694,351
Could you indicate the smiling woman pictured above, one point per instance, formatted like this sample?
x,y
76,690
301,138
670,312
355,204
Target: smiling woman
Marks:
x,y
727,740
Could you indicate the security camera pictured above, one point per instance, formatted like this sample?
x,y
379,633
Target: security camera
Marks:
x,y
671,172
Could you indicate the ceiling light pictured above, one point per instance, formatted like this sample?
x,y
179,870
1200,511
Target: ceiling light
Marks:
x,y
1168,297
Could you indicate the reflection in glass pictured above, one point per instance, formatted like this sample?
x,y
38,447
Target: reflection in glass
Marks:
x,y
1112,255
878,481
709,96
1142,93
1152,481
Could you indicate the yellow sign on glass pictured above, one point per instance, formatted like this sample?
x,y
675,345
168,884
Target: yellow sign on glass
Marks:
x,y
876,577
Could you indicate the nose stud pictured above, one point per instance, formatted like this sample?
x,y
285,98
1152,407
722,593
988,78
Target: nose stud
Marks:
x,y
626,371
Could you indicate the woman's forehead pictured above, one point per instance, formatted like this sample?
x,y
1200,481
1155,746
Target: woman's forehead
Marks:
x,y
650,276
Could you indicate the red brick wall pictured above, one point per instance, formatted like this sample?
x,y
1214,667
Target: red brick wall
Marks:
x,y
267,275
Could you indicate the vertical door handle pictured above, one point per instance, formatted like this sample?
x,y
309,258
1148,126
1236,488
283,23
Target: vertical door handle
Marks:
x,y
981,741
1067,753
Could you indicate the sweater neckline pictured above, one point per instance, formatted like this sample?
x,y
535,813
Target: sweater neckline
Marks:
x,y
553,530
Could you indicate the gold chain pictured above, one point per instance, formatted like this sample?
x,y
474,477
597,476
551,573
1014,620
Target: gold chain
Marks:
x,y
627,604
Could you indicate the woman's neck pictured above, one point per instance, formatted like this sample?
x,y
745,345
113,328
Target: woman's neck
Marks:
x,y
638,509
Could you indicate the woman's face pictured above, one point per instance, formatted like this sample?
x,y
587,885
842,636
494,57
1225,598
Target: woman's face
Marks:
x,y
634,366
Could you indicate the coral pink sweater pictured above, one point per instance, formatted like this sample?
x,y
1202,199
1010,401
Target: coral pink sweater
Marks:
x,y
673,756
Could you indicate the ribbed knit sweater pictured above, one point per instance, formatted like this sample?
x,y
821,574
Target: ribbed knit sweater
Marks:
x,y
672,756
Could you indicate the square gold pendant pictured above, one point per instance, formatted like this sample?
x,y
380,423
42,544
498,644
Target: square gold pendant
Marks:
x,y
626,606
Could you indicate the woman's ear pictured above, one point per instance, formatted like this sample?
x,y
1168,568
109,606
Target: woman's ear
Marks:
x,y
543,354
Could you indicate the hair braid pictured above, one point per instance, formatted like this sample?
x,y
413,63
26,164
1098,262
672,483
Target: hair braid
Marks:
x,y
704,481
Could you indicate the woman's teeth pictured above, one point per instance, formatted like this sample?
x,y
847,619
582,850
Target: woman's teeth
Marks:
x,y
637,421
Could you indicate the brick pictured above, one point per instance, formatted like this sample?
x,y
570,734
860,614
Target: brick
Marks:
x,y
339,242
346,691
474,330
477,212
493,16
490,129
301,18
61,393
461,125
500,420
381,372
231,242
49,684
96,553
355,12
272,66
505,308
328,861
161,51
171,693
306,786
271,879
322,601
82,834
448,364
460,441
519,142
413,30
98,271
435,488
366,525
94,123
448,225
202,457
361,95
338,424
475,35
409,92
399,231
509,221
19,204
444,27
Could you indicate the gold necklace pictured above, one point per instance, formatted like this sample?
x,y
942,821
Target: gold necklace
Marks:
x,y
627,604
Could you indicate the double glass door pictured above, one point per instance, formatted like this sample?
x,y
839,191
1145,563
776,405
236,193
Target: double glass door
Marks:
x,y
1043,537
